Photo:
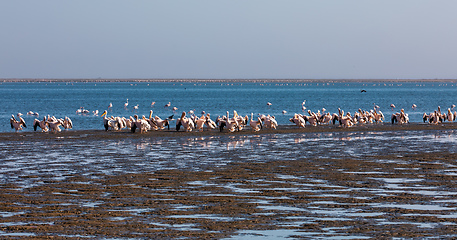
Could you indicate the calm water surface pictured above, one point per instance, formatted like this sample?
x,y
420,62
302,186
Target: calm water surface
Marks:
x,y
63,99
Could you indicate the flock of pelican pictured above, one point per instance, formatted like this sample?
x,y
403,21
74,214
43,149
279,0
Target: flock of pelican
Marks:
x,y
49,123
189,121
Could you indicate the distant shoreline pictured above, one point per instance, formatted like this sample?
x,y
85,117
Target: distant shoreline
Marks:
x,y
152,80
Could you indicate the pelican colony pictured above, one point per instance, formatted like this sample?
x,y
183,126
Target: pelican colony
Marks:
x,y
189,121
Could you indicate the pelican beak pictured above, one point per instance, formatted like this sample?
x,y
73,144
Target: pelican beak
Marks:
x,y
104,113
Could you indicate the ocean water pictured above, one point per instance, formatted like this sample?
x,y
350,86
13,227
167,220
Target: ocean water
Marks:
x,y
62,99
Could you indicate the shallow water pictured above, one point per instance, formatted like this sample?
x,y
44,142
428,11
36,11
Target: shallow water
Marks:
x,y
372,179
62,99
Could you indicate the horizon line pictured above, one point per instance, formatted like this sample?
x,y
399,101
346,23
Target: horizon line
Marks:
x,y
227,80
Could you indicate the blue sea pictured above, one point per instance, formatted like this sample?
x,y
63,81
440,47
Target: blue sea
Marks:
x,y
62,99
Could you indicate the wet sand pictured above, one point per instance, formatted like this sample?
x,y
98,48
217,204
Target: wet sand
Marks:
x,y
383,196
101,134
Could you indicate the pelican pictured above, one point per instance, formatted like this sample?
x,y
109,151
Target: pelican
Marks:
x,y
256,125
140,123
400,117
298,120
17,125
200,122
109,122
325,118
184,121
209,123
162,123
450,116
269,122
54,124
231,124
42,124
67,123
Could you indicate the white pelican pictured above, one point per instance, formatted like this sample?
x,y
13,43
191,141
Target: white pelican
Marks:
x,y
54,124
231,123
17,125
450,116
140,123
378,116
325,118
200,122
42,124
298,120
313,119
109,122
186,122
269,122
256,125
162,123
400,117
67,123
209,123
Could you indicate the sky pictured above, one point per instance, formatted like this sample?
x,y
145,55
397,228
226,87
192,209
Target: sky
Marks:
x,y
298,39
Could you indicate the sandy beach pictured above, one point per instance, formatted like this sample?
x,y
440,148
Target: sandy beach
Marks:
x,y
374,197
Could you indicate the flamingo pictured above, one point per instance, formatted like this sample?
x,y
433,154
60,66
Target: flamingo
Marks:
x,y
110,106
126,103
414,106
392,106
167,105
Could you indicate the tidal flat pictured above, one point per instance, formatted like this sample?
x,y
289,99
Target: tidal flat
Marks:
x,y
366,182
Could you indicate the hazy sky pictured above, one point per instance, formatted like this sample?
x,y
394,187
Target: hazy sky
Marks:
x,y
228,39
